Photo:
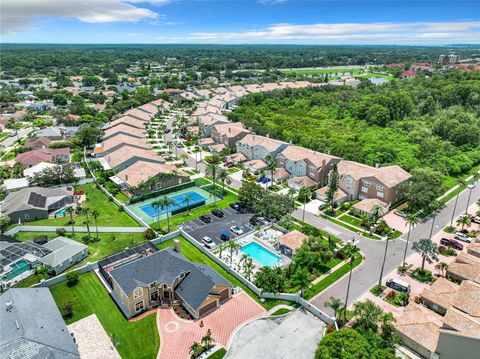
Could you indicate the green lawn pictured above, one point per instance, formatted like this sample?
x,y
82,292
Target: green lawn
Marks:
x,y
281,311
451,181
195,255
110,215
350,228
219,354
351,220
324,283
109,242
320,71
136,339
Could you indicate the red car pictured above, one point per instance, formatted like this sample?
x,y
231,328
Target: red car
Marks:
x,y
451,243
228,164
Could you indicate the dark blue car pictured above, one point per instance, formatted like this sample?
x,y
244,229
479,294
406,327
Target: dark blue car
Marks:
x,y
224,236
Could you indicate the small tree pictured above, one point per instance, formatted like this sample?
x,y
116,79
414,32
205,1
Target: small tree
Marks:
x,y
368,314
72,279
441,267
333,179
304,195
207,340
196,349
335,304
427,249
301,277
67,310
270,280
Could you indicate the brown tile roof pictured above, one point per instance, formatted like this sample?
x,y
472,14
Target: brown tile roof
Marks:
x,y
161,103
463,322
127,152
207,141
474,249
322,192
238,157
466,266
149,108
468,298
269,143
355,169
230,130
122,127
37,142
420,325
141,171
135,112
296,153
390,175
367,205
256,164
293,239
33,157
212,118
303,181
131,121
281,173
442,292
124,139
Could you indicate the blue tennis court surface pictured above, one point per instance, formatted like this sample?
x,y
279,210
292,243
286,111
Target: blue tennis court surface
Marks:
x,y
178,202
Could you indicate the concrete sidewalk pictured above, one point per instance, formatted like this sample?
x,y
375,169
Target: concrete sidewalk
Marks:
x,y
79,229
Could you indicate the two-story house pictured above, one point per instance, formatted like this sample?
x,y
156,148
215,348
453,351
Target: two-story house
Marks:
x,y
256,147
207,122
229,133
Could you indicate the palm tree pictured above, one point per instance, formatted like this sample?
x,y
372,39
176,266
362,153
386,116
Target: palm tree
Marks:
x,y
410,221
184,157
336,305
384,258
207,340
196,349
248,267
461,183
271,165
211,171
304,196
85,212
434,206
224,177
427,249
165,202
464,220
377,212
187,200
301,277
70,212
291,192
95,215
351,252
442,267
476,176
232,246
157,205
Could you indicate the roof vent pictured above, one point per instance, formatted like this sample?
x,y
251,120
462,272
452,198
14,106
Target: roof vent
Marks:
x,y
9,305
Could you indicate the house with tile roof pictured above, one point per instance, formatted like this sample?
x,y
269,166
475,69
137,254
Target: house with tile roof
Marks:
x,y
139,114
32,203
291,241
300,161
37,142
166,276
126,120
32,326
228,133
256,147
126,156
125,129
161,104
118,141
145,177
207,122
52,155
302,181
149,108
464,267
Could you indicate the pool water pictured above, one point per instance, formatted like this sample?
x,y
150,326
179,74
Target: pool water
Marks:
x,y
62,211
17,269
178,202
260,254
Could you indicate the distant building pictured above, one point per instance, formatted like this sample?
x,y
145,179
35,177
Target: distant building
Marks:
x,y
448,59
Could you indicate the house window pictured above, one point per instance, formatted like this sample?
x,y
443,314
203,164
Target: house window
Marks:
x,y
366,183
364,189
379,187
139,306
380,194
153,284
154,296
138,292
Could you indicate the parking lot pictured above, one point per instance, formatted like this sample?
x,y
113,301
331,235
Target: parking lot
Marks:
x,y
198,229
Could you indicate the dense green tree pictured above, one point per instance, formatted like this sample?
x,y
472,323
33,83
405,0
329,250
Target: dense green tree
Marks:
x,y
424,187
270,280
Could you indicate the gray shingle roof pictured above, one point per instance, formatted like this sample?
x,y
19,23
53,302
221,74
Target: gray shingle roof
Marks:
x,y
33,327
165,266
34,197
62,249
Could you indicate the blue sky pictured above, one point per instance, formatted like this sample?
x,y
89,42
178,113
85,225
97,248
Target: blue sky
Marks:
x,y
425,22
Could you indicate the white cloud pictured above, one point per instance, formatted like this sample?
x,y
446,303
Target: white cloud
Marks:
x,y
19,15
380,32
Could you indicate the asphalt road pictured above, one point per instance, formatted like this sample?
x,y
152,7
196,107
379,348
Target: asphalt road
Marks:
x,y
367,274
11,140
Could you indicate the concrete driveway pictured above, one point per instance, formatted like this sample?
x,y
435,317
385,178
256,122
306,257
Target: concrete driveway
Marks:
x,y
295,335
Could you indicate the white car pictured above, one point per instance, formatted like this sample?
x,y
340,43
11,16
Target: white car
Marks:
x,y
236,230
462,237
208,242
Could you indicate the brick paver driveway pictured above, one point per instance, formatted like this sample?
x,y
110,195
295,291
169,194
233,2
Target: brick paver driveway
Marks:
x,y
177,335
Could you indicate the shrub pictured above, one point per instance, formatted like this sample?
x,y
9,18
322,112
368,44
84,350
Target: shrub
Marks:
x,y
422,275
67,310
446,251
149,234
61,231
72,279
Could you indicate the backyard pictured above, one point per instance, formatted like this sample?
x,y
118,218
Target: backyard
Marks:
x,y
137,339
110,214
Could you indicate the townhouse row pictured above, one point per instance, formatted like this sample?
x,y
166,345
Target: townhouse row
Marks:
x,y
125,150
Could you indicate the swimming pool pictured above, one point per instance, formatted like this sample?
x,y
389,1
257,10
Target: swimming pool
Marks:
x,y
260,254
61,212
17,269
178,203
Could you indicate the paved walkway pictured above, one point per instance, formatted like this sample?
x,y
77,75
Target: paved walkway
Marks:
x,y
26,228
177,335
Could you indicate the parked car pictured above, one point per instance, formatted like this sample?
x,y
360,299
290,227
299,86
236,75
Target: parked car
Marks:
x,y
322,206
236,206
228,164
462,237
476,219
208,242
205,218
217,213
167,130
400,214
224,236
258,220
263,179
236,230
398,285
451,243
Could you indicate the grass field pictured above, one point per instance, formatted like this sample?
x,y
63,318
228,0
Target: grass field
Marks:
x,y
110,215
320,71
219,354
136,339
374,74
195,255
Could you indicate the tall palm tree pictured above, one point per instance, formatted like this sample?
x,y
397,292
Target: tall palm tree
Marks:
x,y
442,267
211,171
70,212
95,215
434,206
476,176
461,183
248,267
85,212
304,196
410,221
384,258
224,177
271,165
336,305
165,202
157,205
351,252
184,157
232,247
187,200
427,249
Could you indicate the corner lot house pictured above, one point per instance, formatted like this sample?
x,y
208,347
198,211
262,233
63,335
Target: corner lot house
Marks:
x,y
165,277
65,252
34,203
256,147
32,326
